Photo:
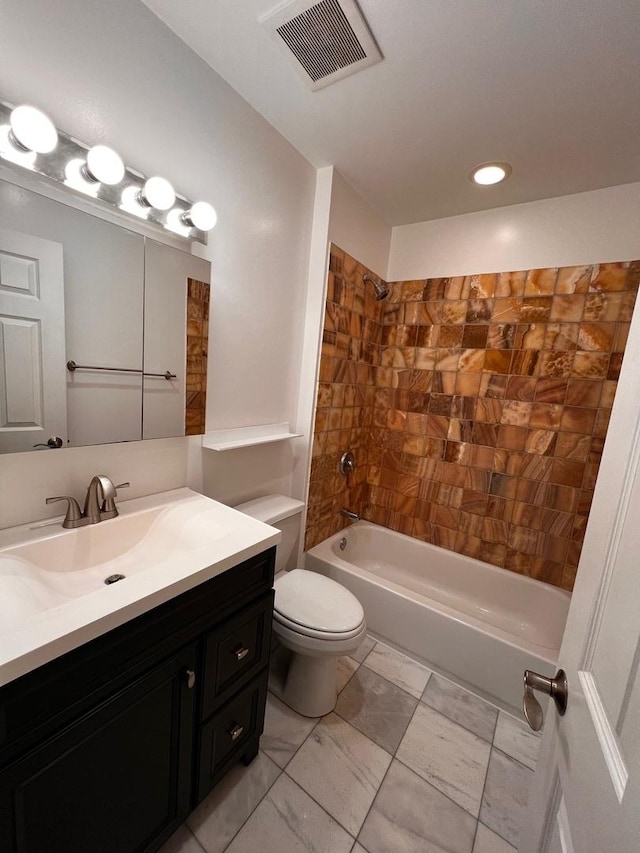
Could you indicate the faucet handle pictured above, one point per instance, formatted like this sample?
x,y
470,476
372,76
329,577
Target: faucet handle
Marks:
x,y
73,518
109,508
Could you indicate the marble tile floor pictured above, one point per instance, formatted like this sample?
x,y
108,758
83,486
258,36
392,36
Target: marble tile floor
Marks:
x,y
407,761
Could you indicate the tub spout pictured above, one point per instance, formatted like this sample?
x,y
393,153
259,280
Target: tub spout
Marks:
x,y
352,516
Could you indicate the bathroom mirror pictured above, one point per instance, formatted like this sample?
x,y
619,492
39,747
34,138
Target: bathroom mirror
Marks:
x,y
103,331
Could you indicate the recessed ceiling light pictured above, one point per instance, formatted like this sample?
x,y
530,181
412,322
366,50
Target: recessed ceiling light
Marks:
x,y
490,173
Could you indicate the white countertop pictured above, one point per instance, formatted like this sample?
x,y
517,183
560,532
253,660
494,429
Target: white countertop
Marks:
x,y
27,643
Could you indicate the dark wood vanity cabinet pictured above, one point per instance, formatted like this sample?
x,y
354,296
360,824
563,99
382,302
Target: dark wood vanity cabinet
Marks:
x,y
109,747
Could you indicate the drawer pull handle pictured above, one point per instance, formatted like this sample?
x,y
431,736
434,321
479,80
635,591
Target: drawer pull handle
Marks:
x,y
236,731
241,652
189,678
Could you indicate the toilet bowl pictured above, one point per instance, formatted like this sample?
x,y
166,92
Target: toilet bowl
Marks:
x,y
315,618
318,620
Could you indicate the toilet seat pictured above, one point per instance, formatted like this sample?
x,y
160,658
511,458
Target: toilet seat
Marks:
x,y
316,606
315,632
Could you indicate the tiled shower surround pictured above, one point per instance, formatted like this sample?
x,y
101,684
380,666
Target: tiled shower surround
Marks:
x,y
476,408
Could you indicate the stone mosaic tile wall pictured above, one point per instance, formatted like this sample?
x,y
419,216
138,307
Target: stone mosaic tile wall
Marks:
x,y
197,351
491,397
346,394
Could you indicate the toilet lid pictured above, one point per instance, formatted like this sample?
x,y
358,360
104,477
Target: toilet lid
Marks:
x,y
314,601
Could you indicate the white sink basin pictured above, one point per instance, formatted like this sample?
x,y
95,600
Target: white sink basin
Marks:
x,y
53,594
46,573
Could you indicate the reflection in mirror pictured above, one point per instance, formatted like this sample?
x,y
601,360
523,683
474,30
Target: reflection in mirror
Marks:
x,y
174,328
75,288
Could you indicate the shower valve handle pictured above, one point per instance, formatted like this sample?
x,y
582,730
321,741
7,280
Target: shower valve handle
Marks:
x,y
556,687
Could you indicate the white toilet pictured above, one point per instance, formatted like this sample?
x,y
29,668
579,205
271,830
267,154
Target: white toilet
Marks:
x,y
314,617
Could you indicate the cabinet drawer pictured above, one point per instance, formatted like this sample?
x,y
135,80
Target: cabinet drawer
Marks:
x,y
235,652
228,734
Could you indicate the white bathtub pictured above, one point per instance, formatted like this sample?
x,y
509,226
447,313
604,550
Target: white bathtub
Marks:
x,y
481,625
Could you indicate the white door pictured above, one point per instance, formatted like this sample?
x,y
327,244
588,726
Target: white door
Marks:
x,y
586,792
33,404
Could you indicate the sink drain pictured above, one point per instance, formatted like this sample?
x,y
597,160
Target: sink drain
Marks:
x,y
114,579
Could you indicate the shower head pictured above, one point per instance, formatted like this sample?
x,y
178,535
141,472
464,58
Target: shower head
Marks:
x,y
382,290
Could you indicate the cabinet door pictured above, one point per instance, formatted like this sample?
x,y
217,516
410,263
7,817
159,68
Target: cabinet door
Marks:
x,y
115,781
232,733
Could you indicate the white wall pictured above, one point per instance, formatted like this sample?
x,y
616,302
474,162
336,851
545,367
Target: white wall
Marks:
x,y
340,216
111,72
598,226
357,228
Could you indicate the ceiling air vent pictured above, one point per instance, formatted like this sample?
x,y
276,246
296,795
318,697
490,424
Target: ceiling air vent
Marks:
x,y
325,41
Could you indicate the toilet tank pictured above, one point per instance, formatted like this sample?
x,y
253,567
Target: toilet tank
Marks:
x,y
283,513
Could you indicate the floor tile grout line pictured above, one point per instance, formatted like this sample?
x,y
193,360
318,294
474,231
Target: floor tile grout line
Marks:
x,y
254,809
486,826
391,755
197,840
431,785
430,671
311,797
521,763
312,730
434,671
484,782
373,801
283,770
493,746
476,818
392,683
457,722
418,776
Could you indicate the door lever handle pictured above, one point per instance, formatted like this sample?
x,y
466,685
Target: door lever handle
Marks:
x,y
556,687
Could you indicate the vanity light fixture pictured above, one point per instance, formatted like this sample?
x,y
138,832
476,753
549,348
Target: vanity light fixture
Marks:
x,y
487,174
29,139
32,130
201,215
157,193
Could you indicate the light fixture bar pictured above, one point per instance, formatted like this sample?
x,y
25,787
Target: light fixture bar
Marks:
x,y
53,165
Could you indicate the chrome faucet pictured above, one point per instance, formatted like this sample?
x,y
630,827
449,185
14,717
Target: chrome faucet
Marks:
x,y
352,516
99,503
100,490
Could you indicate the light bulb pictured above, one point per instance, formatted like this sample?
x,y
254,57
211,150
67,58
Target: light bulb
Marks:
x,y
8,150
32,130
490,173
175,221
130,201
201,215
103,165
158,193
75,176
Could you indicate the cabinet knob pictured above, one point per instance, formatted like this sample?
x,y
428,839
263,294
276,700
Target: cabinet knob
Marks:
x,y
240,652
189,678
236,731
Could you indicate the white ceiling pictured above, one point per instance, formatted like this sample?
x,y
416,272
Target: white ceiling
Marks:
x,y
550,86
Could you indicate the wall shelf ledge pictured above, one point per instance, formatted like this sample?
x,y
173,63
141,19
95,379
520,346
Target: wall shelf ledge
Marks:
x,y
232,439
